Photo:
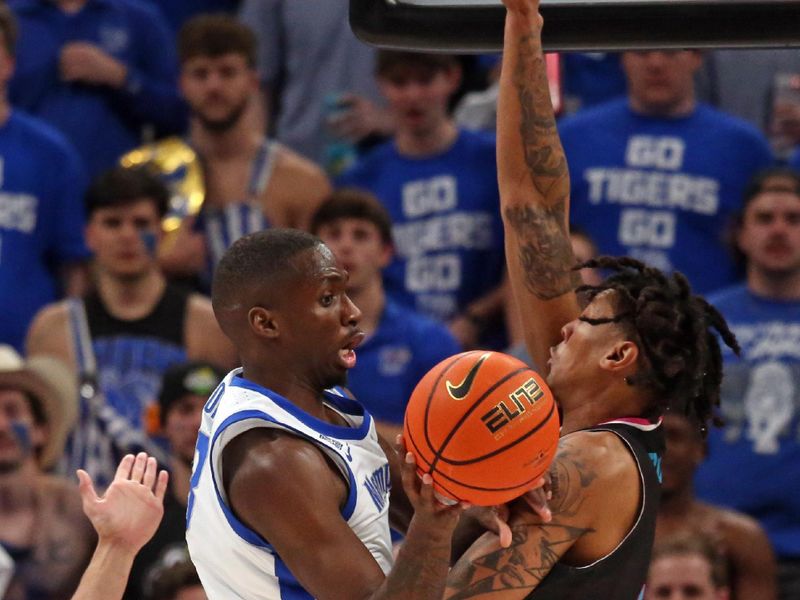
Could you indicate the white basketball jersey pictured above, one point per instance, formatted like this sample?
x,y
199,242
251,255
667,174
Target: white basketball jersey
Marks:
x,y
234,561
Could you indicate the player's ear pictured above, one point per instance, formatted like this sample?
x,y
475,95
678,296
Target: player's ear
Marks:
x,y
620,357
262,322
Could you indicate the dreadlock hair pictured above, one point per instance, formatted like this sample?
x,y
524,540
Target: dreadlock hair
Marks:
x,y
681,362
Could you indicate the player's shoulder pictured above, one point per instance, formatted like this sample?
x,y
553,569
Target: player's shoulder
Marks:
x,y
597,455
590,439
264,456
595,466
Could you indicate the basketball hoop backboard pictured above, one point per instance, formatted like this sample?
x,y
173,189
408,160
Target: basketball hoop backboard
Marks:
x,y
477,25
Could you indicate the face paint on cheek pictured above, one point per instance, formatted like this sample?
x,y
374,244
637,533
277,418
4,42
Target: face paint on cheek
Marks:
x,y
23,434
149,240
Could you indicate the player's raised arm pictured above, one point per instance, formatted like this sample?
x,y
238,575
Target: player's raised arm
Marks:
x,y
534,186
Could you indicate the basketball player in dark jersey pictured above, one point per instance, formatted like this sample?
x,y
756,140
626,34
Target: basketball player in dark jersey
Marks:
x,y
642,343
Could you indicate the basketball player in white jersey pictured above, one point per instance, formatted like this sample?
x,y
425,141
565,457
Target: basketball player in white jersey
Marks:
x,y
290,490
251,182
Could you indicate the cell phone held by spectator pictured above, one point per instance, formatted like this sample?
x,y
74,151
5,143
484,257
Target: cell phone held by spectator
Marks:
x,y
339,153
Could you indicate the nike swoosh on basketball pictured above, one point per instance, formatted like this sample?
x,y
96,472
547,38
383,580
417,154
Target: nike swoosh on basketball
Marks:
x,y
460,391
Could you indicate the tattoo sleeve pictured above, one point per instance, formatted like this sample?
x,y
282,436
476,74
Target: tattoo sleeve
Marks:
x,y
545,252
543,153
536,547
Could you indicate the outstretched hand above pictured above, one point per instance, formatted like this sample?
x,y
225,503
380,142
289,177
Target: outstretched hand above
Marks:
x,y
129,512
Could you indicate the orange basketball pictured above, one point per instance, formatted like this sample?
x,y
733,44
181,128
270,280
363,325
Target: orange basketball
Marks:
x,y
484,425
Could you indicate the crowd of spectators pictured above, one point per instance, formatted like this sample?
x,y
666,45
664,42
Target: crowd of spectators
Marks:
x,y
259,116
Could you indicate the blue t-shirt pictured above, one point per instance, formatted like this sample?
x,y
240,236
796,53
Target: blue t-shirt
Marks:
x,y
445,211
101,122
41,219
753,462
662,190
403,348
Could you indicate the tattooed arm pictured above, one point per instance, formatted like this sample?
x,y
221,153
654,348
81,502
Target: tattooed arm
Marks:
x,y
534,186
589,520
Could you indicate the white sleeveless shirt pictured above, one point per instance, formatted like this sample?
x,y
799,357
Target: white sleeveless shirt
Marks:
x,y
234,561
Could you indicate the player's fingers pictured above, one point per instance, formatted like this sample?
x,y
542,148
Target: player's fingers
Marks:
x,y
124,468
503,531
139,464
408,474
434,501
426,492
150,473
537,500
161,485
400,444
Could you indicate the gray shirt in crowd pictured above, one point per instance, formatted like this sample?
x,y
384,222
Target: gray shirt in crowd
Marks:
x,y
307,51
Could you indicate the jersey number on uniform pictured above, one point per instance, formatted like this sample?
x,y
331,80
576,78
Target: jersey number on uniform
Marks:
x,y
201,450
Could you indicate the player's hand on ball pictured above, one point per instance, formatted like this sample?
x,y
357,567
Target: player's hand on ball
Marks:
x,y
420,492
494,519
538,497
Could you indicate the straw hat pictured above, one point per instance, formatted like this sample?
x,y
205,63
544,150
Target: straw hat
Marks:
x,y
49,382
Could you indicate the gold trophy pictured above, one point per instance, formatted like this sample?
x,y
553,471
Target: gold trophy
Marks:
x,y
180,168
